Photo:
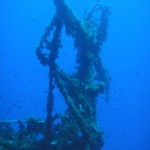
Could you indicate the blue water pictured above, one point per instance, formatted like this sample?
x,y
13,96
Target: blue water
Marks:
x,y
126,54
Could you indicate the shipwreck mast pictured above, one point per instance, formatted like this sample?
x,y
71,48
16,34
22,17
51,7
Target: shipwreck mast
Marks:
x,y
78,128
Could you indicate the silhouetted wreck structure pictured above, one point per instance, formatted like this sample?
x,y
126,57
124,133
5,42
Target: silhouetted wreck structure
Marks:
x,y
77,128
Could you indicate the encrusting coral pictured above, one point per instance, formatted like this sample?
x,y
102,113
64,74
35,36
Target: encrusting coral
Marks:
x,y
77,128
79,89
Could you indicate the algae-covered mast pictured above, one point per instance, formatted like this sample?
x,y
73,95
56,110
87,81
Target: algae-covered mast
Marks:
x,y
78,127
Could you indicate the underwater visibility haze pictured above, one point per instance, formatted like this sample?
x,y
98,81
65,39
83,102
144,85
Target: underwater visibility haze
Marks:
x,y
74,75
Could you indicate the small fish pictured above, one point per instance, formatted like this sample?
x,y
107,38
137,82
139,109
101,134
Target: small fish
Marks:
x,y
53,142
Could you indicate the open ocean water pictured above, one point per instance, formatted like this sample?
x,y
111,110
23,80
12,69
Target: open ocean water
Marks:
x,y
125,118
